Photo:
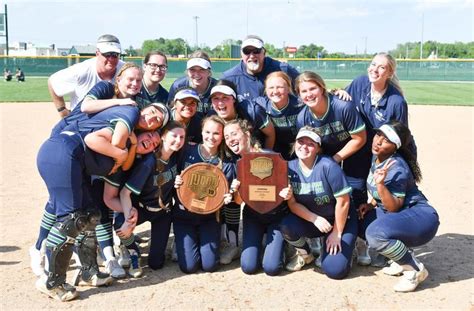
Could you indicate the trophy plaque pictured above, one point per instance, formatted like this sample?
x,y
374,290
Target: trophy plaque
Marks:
x,y
262,176
203,188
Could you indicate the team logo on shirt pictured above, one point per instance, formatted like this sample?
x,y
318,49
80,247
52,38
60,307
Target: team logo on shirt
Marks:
x,y
203,183
261,167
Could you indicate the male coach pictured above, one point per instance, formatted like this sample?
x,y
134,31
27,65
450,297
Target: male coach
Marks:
x,y
250,74
78,79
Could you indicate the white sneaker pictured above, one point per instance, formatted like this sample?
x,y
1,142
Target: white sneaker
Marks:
x,y
64,292
229,253
123,257
411,279
316,246
135,270
37,260
299,261
394,269
113,268
362,250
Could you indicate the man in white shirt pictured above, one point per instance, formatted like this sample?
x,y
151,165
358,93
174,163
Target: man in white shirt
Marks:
x,y
78,79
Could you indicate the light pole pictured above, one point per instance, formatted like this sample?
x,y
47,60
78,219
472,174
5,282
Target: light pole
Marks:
x,y
422,30
196,29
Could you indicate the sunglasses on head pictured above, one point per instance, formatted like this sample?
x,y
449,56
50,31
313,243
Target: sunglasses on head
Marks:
x,y
110,55
248,51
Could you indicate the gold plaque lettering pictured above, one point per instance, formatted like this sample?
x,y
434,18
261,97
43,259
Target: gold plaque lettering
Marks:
x,y
261,167
203,183
262,193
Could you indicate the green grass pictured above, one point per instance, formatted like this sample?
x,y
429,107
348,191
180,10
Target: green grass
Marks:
x,y
35,89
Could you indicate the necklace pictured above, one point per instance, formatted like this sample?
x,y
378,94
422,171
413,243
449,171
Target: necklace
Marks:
x,y
375,96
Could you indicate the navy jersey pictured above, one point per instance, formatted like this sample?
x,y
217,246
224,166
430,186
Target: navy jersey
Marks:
x,y
205,97
152,179
284,121
193,128
399,181
335,128
102,90
249,86
392,105
145,98
109,117
318,189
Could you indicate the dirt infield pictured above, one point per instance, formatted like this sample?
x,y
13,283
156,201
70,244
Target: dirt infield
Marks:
x,y
444,136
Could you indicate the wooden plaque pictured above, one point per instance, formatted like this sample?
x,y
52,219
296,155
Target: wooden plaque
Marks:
x,y
203,188
262,176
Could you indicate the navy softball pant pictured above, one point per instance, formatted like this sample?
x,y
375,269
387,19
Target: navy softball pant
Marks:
x,y
334,266
413,226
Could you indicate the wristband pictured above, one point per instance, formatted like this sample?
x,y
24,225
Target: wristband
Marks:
x,y
61,108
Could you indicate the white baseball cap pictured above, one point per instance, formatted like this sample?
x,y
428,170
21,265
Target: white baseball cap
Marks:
x,y
254,41
109,43
310,134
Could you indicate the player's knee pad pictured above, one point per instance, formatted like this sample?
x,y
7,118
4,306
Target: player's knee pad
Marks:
x,y
88,219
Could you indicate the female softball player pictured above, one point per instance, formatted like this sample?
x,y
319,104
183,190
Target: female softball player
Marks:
x,y
404,216
184,110
197,236
199,77
255,225
320,205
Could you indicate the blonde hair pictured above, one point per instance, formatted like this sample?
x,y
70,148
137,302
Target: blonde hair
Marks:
x,y
215,118
392,66
282,75
120,73
309,76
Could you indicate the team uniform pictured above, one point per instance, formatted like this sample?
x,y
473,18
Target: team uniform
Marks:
x,y
77,80
335,128
255,225
193,127
145,98
196,236
392,106
284,121
317,190
205,105
64,167
414,224
151,182
249,86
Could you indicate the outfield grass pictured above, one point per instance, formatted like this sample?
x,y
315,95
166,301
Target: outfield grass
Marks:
x,y
35,89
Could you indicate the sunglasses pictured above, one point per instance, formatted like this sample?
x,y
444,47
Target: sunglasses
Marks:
x,y
252,51
110,55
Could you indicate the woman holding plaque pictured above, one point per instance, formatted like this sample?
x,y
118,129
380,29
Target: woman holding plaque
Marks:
x,y
197,236
255,225
319,205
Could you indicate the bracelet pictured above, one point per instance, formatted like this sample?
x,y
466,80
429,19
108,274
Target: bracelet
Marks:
x,y
61,108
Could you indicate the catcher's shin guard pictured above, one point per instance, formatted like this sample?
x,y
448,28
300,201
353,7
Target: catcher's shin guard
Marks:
x,y
59,248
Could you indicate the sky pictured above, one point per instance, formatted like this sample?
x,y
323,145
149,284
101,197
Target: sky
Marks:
x,y
347,26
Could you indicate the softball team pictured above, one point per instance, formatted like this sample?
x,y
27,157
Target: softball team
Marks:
x,y
326,141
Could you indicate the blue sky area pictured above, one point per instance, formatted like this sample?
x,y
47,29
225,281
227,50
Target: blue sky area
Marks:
x,y
338,25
